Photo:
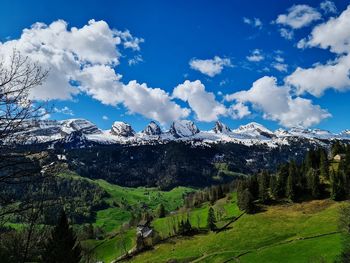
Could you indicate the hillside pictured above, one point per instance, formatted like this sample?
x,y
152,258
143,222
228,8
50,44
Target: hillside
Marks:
x,y
305,231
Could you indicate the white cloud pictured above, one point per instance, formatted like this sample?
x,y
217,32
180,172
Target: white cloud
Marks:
x,y
66,52
239,111
255,56
282,67
328,7
105,118
279,59
84,60
277,104
255,22
153,103
335,35
286,33
65,110
203,103
210,67
135,60
298,16
319,78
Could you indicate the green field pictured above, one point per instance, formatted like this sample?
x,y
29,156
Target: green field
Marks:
x,y
305,232
123,201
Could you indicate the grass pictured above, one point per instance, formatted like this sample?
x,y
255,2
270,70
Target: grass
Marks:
x,y
271,236
111,248
112,218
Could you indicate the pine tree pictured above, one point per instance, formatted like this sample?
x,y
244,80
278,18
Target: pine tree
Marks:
x,y
263,186
62,245
291,188
313,183
161,211
324,170
247,202
211,219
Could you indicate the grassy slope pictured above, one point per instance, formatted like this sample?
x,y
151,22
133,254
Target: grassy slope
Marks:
x,y
112,218
275,235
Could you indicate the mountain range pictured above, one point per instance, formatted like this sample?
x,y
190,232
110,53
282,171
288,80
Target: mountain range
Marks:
x,y
47,131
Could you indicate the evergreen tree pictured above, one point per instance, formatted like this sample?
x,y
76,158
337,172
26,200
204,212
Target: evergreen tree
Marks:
x,y
281,183
62,245
313,183
161,211
211,219
274,186
247,202
337,186
291,188
324,170
264,186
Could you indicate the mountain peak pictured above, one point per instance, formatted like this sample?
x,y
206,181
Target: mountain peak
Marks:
x,y
152,129
254,129
221,128
122,129
183,128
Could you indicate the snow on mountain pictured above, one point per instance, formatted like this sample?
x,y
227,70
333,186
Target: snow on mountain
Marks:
x,y
254,130
80,132
50,130
122,129
183,128
221,128
152,129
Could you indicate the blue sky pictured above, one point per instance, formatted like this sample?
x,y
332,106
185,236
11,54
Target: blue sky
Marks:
x,y
247,37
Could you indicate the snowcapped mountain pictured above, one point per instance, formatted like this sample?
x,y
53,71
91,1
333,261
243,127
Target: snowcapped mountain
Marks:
x,y
122,129
221,128
83,133
183,128
152,129
254,130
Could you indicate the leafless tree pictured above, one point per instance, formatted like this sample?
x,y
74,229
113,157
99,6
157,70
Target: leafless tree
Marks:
x,y
21,170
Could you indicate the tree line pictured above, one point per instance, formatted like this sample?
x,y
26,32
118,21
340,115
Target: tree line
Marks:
x,y
317,176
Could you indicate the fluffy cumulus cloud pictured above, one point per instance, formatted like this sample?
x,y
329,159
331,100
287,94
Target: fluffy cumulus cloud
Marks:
x,y
203,103
335,36
239,111
210,67
153,103
84,60
288,111
255,56
298,16
254,22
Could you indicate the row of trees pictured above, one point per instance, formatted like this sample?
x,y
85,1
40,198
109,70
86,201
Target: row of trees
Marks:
x,y
316,177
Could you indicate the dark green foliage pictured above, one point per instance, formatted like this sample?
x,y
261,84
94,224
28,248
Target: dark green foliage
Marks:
x,y
62,245
211,220
337,148
185,227
291,188
337,186
324,165
161,211
247,202
264,187
313,181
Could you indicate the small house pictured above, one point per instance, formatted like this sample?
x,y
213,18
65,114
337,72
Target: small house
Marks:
x,y
144,234
339,157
